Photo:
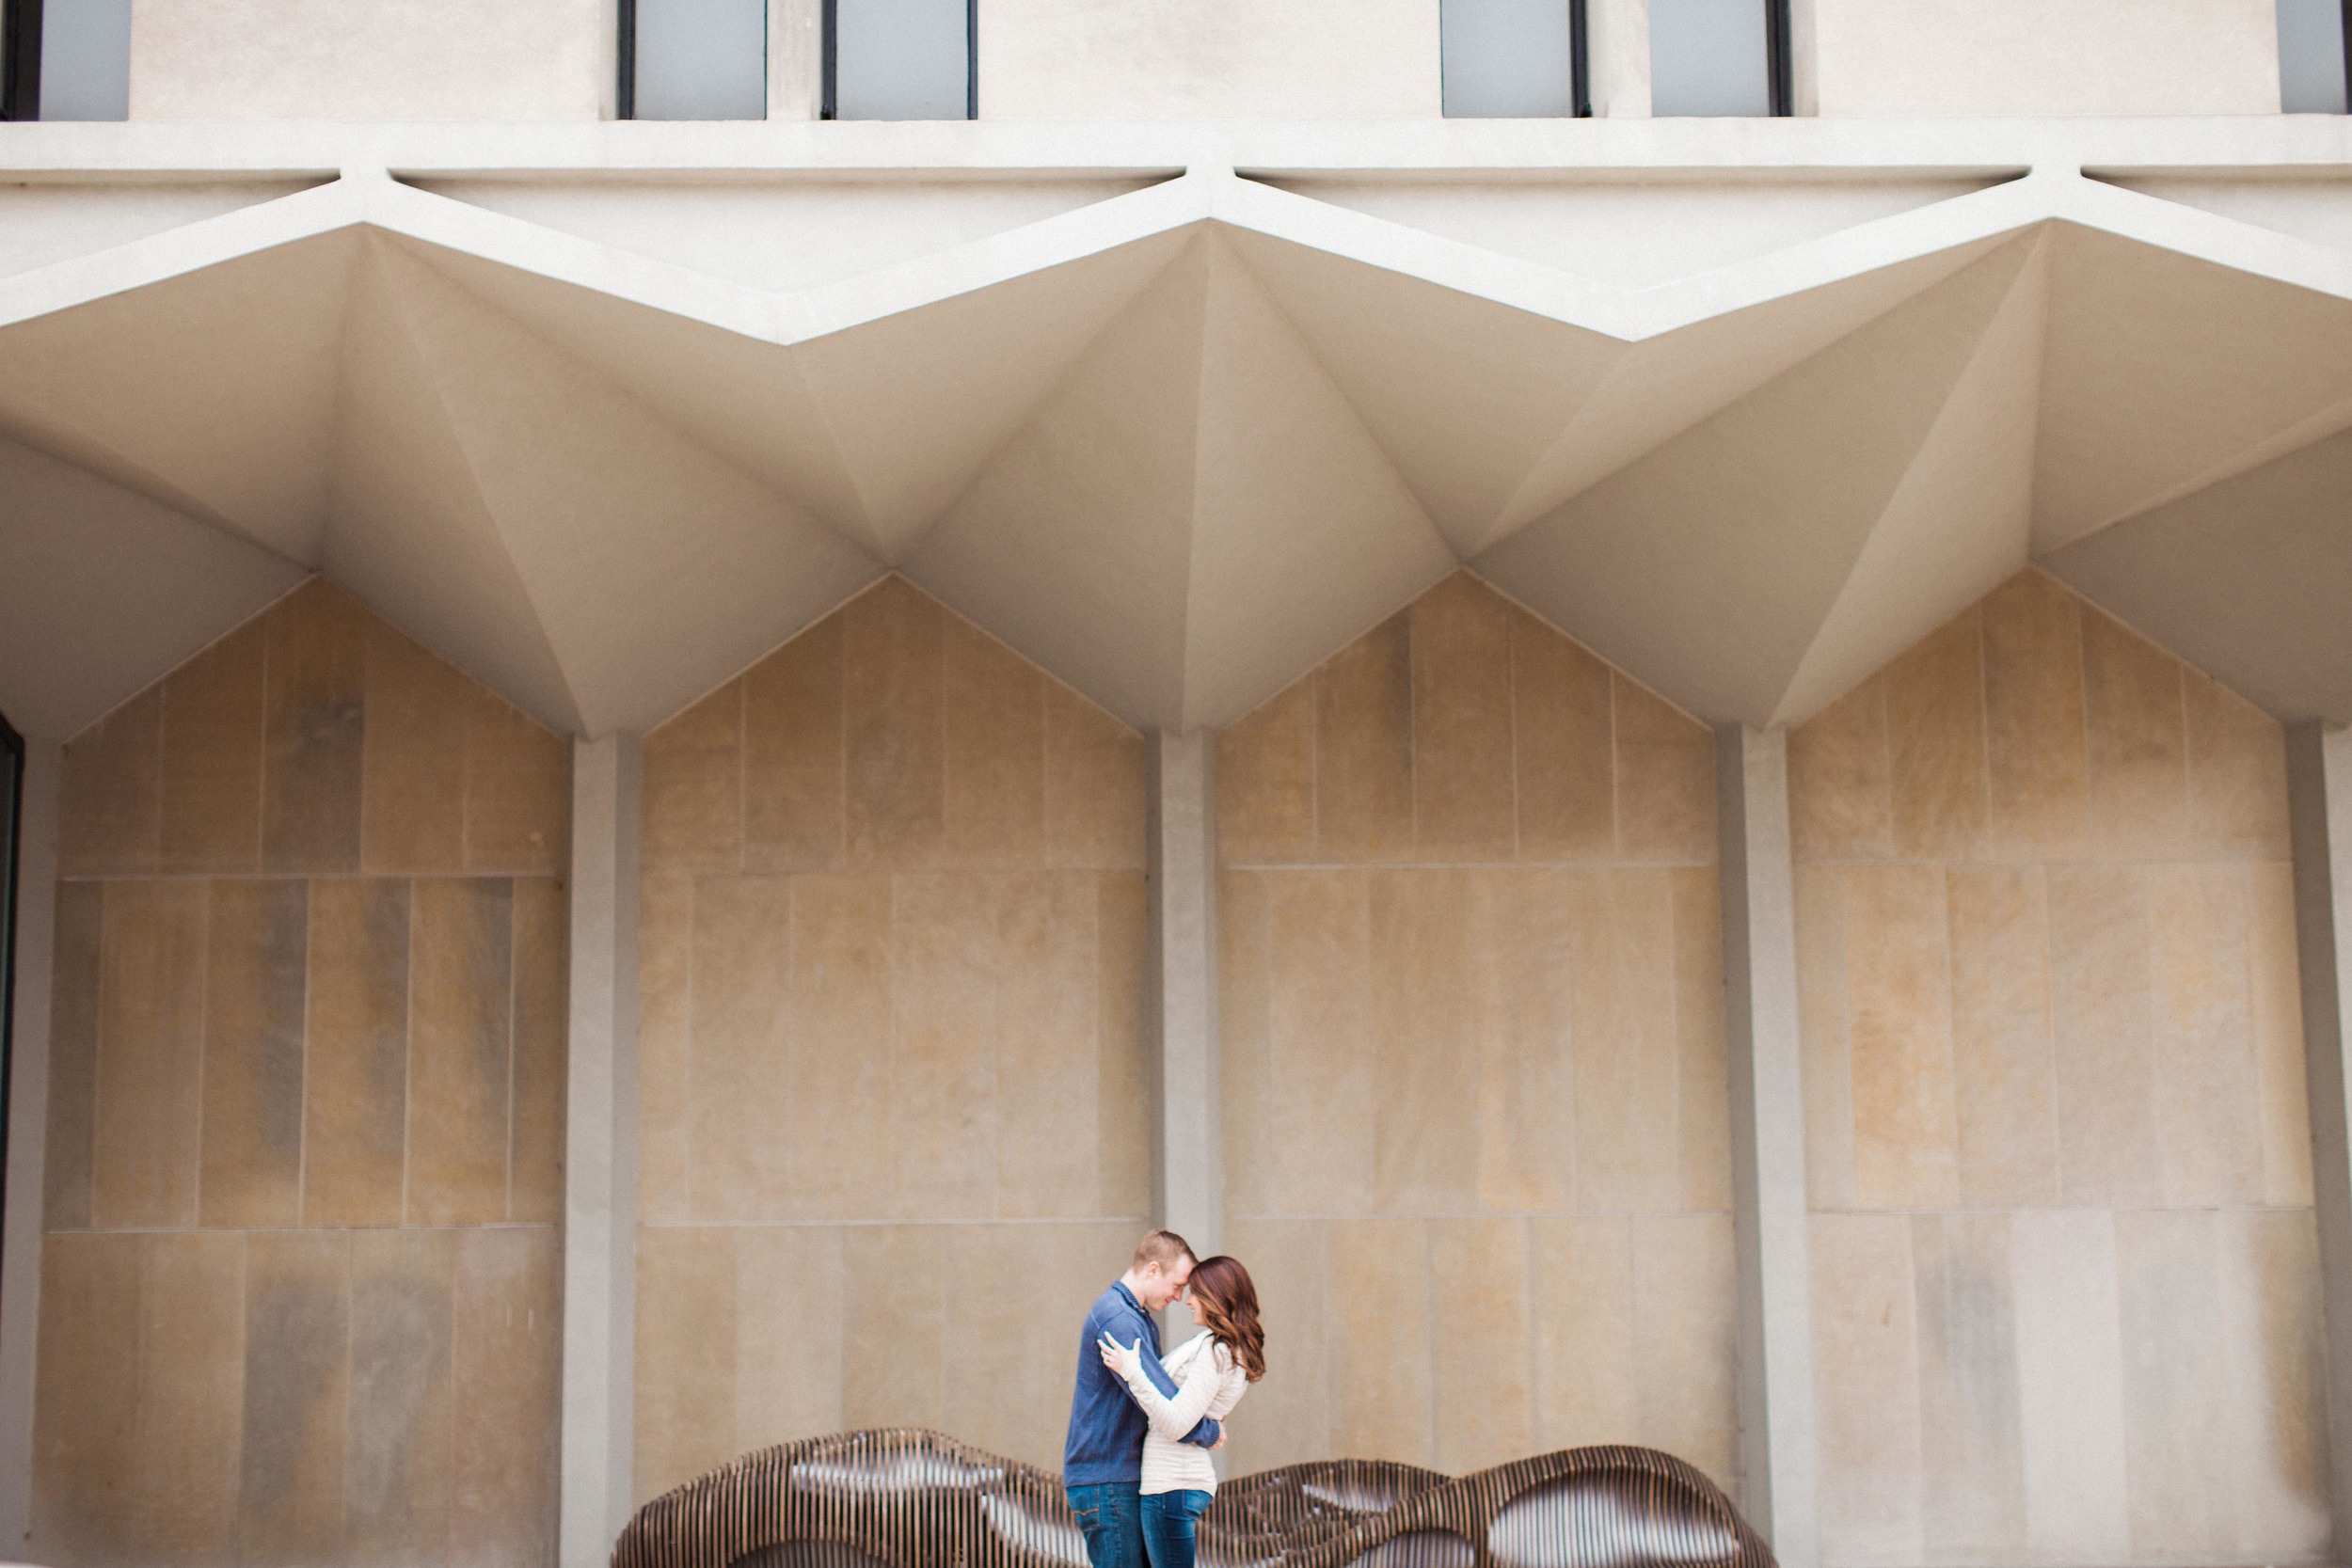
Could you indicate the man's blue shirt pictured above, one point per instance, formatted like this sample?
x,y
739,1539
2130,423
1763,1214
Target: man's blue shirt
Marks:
x,y
1106,1427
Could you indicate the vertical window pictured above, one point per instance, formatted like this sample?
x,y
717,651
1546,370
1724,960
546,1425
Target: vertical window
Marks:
x,y
901,60
1719,57
2315,56
694,59
66,59
1513,59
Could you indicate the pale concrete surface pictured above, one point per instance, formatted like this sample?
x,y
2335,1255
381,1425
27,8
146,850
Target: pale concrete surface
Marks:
x,y
28,1126
1181,1027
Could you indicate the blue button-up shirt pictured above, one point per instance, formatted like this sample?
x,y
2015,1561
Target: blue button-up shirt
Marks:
x,y
1106,1426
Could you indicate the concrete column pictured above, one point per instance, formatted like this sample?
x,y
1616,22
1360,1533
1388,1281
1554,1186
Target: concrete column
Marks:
x,y
1187,1142
600,1152
796,59
2319,802
1616,54
28,1128
1768,1196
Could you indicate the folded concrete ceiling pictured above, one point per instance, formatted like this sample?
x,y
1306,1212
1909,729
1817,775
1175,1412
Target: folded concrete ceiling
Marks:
x,y
1177,444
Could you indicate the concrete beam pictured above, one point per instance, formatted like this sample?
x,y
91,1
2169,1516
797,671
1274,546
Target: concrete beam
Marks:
x,y
796,59
600,1152
2319,802
1777,1432
1181,1039
28,1129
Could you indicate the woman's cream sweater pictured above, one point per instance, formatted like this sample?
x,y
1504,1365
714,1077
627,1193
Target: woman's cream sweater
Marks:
x,y
1209,1382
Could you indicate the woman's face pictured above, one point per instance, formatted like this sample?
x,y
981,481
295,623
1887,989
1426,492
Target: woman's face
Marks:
x,y
1199,1309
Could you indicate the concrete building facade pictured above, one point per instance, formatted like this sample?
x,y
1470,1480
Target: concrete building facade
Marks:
x,y
1684,771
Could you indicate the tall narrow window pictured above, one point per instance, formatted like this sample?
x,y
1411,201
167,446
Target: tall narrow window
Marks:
x,y
901,60
2315,56
1513,59
1719,57
66,59
695,60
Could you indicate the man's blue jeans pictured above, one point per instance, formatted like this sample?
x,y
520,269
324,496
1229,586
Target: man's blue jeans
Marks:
x,y
1171,1526
1112,1516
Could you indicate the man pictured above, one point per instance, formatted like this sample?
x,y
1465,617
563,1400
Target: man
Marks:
x,y
1101,1464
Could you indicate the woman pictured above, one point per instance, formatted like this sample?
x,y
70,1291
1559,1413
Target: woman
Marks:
x,y
1212,1370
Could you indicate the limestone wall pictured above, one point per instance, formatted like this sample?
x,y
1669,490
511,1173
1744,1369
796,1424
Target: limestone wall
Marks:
x,y
1476,1145
2066,1300
300,1282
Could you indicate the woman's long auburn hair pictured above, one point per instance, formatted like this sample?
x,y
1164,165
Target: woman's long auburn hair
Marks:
x,y
1229,1303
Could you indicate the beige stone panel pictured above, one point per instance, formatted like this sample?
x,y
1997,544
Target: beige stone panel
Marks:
x,y
85,1397
460,1064
2176,1385
317,726
787,1338
2070,1381
1463,771
1244,1056
519,791
110,796
542,1025
2003,1067
686,1334
1935,744
1425,1110
1286,1414
1006,1371
1627,1068
665,1041
184,1458
1123,1135
1973,1493
792,754
835,1101
894,1318
1265,781
1704,1114
1379,1346
2206,1078
211,756
2237,774
1866,1381
1563,738
1587,1381
412,776
2274,1329
1480,1336
2138,772
1840,800
2101,1023
945,964
251,1162
397,1472
1826,1052
1665,779
2274,990
994,757
1094,786
506,1349
298,1397
354,1079
1686,1339
2036,762
144,1140
694,787
74,978
1047,1050
894,689
1320,1092
1364,757
1900,1017
740,1082
1520,1008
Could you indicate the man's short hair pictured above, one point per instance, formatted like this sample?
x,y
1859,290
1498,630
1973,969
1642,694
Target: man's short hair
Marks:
x,y
1162,1247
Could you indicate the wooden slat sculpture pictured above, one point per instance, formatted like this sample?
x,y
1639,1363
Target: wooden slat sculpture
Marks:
x,y
915,1499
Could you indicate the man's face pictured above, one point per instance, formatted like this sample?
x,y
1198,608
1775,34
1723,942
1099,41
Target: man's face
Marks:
x,y
1163,1283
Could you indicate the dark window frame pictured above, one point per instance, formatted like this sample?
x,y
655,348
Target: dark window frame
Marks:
x,y
11,848
625,61
829,106
19,61
1780,59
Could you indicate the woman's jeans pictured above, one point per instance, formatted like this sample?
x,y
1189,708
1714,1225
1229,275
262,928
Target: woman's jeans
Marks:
x,y
1171,1520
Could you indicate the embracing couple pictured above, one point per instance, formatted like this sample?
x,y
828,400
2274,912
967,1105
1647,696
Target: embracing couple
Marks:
x,y
1141,1424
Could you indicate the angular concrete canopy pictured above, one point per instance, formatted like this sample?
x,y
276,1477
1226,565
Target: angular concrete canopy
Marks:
x,y
1176,443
